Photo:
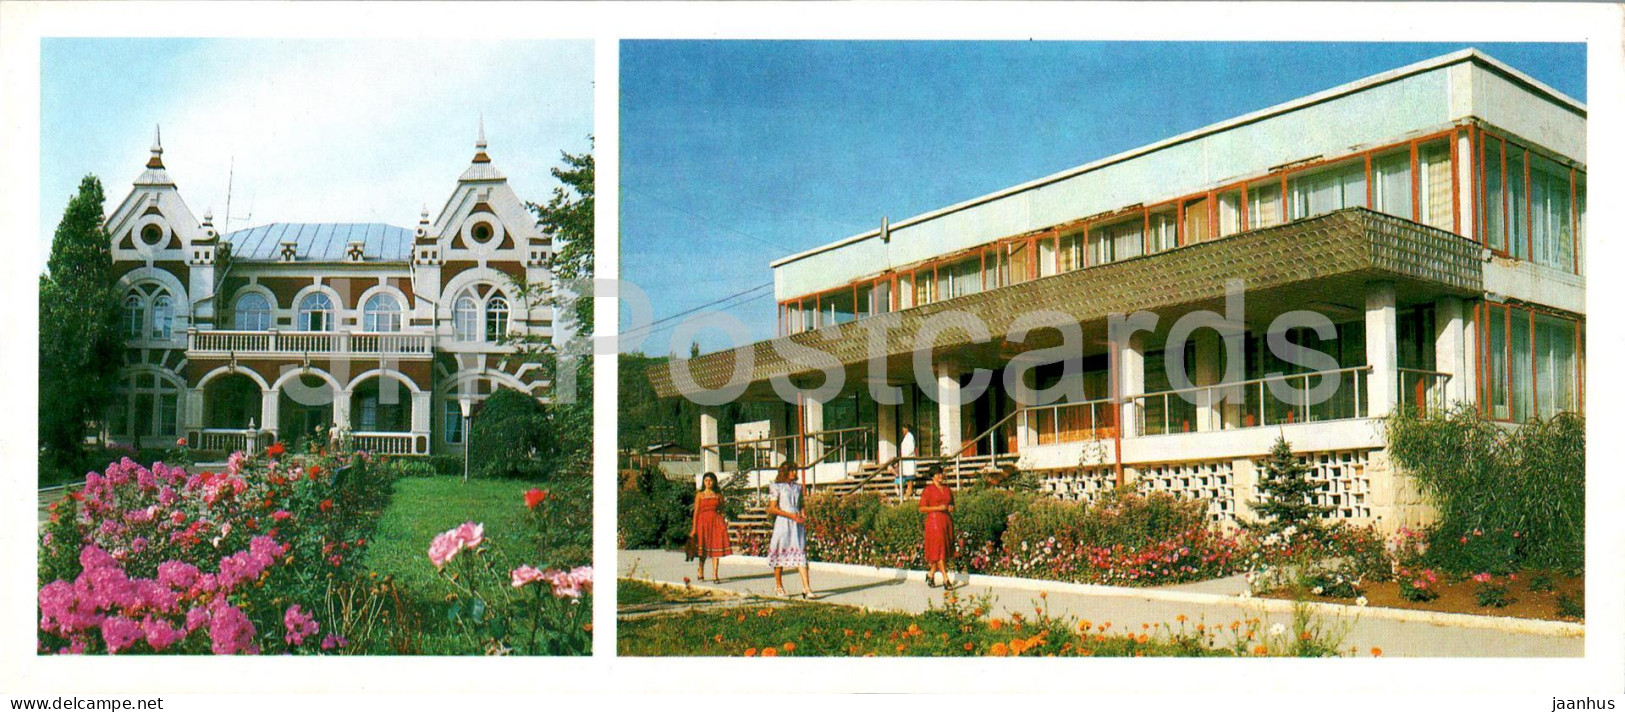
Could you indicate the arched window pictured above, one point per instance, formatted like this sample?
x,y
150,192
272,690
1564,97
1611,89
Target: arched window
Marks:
x,y
381,313
253,312
496,319
135,316
316,312
163,316
465,319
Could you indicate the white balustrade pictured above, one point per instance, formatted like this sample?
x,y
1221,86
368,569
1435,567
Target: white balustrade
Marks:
x,y
295,343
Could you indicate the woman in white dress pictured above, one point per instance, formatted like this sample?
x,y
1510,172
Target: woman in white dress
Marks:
x,y
788,547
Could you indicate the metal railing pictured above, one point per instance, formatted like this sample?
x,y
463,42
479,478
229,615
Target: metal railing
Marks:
x,y
294,343
1421,389
1252,403
1068,422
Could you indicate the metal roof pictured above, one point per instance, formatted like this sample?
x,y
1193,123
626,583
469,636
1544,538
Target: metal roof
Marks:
x,y
321,242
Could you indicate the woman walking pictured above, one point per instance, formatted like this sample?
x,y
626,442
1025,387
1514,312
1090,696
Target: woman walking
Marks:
x,y
709,529
937,503
788,547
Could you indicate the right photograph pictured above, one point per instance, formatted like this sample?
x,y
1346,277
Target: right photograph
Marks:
x,y
1102,349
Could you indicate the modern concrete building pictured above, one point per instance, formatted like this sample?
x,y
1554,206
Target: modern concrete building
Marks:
x,y
1434,214
314,330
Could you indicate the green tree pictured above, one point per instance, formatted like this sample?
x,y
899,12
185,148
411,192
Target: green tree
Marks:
x,y
568,218
509,433
1288,492
78,316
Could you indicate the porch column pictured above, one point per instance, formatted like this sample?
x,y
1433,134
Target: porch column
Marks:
x,y
192,411
886,432
1450,348
812,421
1130,381
421,413
270,399
710,459
949,410
341,410
782,422
1209,355
1381,348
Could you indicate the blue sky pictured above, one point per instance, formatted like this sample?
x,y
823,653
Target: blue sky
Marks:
x,y
734,154
320,130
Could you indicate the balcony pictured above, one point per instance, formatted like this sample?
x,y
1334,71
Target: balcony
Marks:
x,y
314,343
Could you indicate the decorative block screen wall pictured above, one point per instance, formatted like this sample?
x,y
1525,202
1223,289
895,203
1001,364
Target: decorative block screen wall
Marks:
x,y
1345,486
1080,484
1212,482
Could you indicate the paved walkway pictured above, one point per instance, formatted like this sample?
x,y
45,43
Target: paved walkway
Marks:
x,y
1398,633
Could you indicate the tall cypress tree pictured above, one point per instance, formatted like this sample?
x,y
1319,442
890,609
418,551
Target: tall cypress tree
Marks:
x,y
1288,491
78,316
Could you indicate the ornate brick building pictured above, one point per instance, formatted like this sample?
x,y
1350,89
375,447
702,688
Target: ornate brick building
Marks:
x,y
289,331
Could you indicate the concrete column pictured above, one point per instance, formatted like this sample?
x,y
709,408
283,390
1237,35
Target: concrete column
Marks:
x,y
422,412
1130,380
950,412
269,400
1381,348
1209,369
782,422
1450,347
887,431
341,409
710,457
812,421
1466,163
192,410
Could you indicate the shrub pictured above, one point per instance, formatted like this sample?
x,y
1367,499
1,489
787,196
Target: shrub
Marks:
x,y
1542,582
655,513
1419,587
1492,593
1571,606
1507,500
446,464
400,467
505,435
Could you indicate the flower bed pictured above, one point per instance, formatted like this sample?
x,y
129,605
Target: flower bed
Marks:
x,y
268,556
1126,539
956,627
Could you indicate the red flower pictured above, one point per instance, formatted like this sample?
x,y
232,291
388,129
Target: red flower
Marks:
x,y
534,497
180,442
327,505
315,471
275,450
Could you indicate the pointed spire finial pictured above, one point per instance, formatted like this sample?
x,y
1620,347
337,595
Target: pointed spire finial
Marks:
x,y
157,160
479,143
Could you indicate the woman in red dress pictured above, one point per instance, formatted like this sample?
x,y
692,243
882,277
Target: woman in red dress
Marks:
x,y
710,530
937,503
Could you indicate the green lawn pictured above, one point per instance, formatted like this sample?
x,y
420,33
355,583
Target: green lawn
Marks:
x,y
423,507
958,628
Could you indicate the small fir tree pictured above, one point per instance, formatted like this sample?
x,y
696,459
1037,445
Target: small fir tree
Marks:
x,y
1288,491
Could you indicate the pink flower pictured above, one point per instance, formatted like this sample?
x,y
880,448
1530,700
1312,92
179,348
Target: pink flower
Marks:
x,y
120,633
299,625
180,442
1481,577
445,546
527,574
280,515
334,640
230,631
161,633
471,534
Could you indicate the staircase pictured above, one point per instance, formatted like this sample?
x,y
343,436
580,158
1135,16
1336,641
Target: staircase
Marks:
x,y
870,479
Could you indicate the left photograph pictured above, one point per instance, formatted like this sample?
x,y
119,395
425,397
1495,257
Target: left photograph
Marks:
x,y
312,373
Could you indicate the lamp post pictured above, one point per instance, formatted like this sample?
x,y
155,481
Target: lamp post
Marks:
x,y
467,405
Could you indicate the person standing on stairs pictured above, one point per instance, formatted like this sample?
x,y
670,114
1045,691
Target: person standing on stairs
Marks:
x,y
906,465
788,546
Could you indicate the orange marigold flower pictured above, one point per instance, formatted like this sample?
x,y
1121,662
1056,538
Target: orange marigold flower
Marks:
x,y
970,646
848,632
789,647
750,652
770,652
718,638
1180,618
1376,652
999,650
900,647
995,624
1260,650
1304,635
1085,625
